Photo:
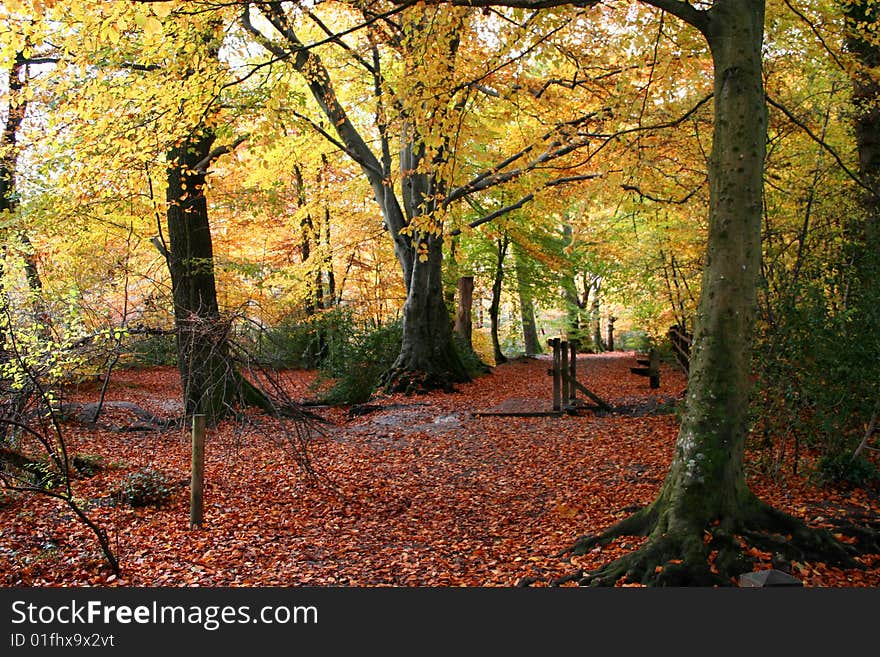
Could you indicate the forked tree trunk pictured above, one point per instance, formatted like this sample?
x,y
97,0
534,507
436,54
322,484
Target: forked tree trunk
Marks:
x,y
428,357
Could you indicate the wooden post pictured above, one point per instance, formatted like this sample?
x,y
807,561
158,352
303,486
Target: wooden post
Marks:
x,y
557,404
572,372
654,368
563,372
197,480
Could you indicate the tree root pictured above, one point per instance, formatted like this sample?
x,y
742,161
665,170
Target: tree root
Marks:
x,y
418,382
712,555
144,419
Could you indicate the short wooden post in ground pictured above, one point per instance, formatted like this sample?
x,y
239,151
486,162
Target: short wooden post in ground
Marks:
x,y
557,379
197,478
572,373
563,371
651,368
654,368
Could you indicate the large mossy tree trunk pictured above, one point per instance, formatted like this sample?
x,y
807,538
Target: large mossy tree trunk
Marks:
x,y
211,383
428,358
705,506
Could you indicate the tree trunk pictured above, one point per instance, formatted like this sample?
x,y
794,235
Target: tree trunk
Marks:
x,y
861,16
463,319
495,305
866,98
706,481
211,384
428,358
531,343
595,316
704,502
573,303
16,107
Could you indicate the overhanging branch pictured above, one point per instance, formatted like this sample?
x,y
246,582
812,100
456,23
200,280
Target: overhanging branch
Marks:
x,y
812,135
500,212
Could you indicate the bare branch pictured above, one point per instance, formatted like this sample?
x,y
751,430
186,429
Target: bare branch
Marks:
x,y
202,166
657,199
525,199
812,135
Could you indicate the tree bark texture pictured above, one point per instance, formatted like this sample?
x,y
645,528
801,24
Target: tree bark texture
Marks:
x,y
211,384
464,311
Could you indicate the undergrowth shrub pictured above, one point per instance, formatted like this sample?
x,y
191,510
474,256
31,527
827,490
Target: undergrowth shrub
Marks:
x,y
151,351
844,470
293,343
357,354
144,487
817,371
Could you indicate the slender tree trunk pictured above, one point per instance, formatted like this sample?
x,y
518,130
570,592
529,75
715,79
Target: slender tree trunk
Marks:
x,y
573,303
531,343
15,111
328,285
463,316
495,305
595,315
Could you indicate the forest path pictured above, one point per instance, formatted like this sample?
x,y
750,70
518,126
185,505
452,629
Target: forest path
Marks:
x,y
424,491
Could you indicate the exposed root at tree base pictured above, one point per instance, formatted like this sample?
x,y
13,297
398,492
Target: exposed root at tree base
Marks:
x,y
714,555
418,381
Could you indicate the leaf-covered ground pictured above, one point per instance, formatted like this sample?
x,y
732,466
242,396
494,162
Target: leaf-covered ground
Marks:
x,y
423,492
